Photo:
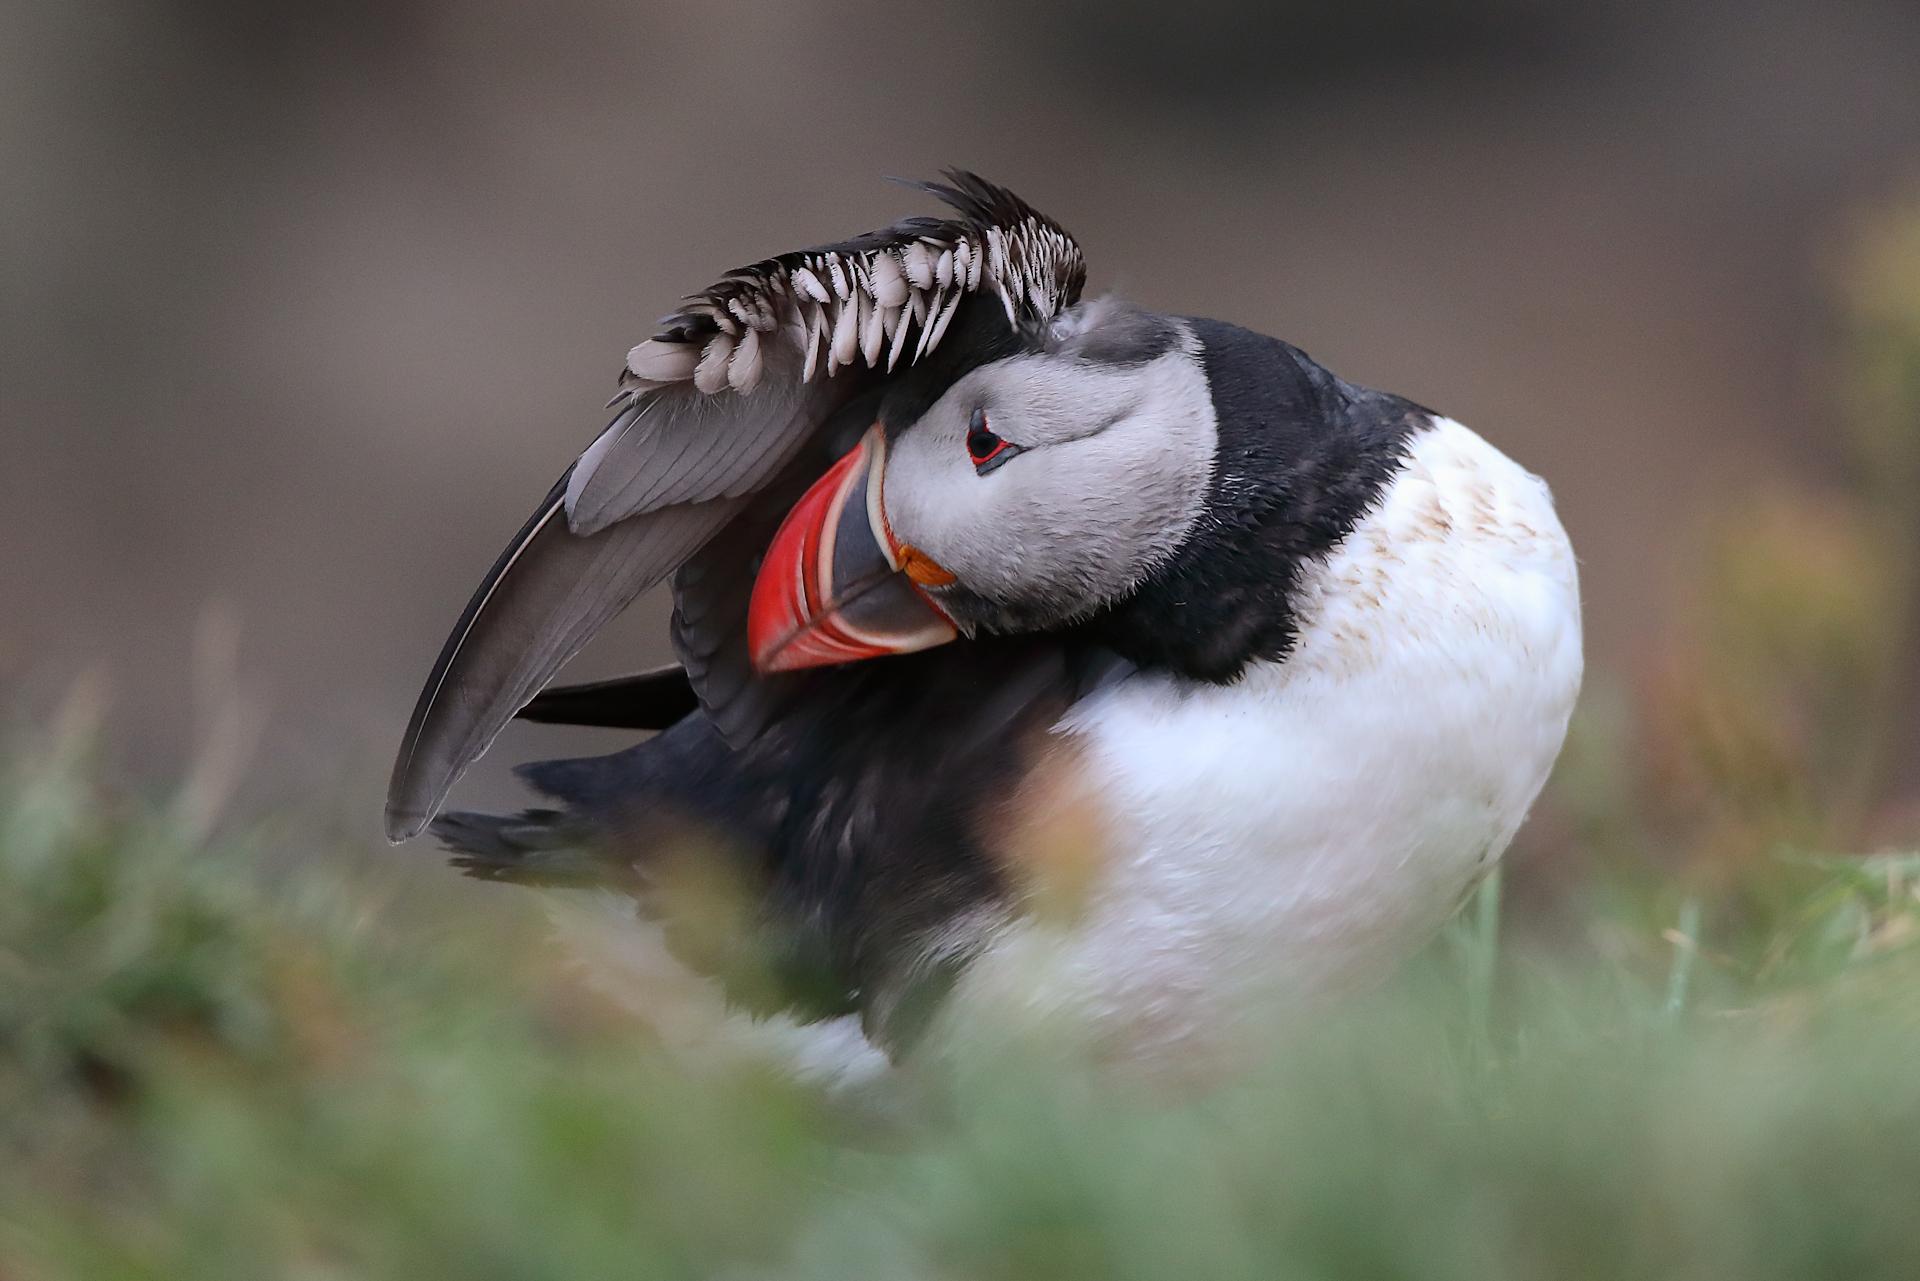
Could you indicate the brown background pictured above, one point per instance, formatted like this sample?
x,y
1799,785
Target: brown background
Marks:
x,y
305,306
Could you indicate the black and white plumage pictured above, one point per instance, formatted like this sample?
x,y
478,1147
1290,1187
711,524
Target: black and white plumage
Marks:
x,y
1279,660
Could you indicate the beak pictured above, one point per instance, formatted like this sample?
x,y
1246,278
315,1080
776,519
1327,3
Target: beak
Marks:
x,y
835,587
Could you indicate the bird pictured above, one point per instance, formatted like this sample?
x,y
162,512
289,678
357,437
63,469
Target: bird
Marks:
x,y
1040,656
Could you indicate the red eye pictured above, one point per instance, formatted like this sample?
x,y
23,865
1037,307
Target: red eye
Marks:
x,y
982,445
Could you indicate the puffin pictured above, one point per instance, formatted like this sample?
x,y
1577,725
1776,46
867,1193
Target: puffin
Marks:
x,y
1040,657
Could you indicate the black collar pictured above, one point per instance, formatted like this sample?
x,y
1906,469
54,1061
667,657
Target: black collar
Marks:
x,y
1302,457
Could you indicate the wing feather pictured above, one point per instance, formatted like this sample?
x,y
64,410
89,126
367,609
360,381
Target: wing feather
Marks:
x,y
713,408
730,377
547,594
653,699
710,595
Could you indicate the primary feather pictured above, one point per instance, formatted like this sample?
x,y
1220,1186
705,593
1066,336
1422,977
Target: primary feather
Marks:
x,y
549,592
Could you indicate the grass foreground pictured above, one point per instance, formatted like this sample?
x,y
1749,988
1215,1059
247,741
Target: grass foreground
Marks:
x,y
211,1068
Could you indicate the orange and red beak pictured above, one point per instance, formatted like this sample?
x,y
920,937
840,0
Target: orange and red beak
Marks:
x,y
835,586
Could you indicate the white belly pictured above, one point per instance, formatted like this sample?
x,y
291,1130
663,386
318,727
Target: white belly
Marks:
x,y
1308,827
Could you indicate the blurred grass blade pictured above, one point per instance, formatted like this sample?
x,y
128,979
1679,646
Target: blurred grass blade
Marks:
x,y
1685,937
1483,957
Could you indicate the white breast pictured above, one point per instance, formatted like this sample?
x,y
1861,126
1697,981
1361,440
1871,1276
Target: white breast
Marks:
x,y
1307,828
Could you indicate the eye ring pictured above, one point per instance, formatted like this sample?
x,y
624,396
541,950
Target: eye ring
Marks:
x,y
985,449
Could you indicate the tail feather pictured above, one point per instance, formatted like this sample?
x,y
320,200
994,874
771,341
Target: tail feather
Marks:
x,y
540,847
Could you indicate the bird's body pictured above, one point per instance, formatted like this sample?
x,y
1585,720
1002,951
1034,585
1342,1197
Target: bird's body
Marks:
x,y
1257,673
1299,831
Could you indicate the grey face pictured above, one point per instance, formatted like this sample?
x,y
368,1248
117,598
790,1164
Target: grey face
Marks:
x,y
1109,448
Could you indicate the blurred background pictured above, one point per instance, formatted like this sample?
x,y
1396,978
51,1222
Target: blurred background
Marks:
x,y
305,306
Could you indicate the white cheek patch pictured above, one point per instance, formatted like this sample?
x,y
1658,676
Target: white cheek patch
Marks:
x,y
1114,474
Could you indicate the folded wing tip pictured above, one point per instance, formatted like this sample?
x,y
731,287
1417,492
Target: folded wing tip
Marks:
x,y
589,518
403,823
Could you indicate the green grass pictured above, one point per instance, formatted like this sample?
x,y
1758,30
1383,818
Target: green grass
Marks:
x,y
224,1059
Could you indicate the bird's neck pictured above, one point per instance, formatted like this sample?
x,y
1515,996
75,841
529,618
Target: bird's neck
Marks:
x,y
1302,457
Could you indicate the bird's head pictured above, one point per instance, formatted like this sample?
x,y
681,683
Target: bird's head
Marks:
x,y
1036,490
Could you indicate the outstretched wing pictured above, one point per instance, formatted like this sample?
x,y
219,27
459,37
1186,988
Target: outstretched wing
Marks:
x,y
710,410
